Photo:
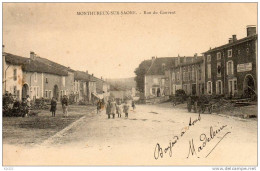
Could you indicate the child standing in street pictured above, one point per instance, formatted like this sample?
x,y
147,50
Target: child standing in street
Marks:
x,y
119,109
126,109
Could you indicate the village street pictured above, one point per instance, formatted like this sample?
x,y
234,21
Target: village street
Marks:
x,y
152,135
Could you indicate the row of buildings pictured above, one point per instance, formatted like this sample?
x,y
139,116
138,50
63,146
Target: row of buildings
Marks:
x,y
41,78
229,70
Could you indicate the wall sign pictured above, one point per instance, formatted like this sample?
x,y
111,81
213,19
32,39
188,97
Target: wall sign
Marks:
x,y
244,67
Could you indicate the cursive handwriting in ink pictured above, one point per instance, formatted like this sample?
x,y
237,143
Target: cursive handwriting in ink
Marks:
x,y
205,139
159,151
218,143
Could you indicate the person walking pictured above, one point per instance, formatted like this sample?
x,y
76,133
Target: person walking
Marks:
x,y
113,108
133,105
108,109
53,106
126,109
65,104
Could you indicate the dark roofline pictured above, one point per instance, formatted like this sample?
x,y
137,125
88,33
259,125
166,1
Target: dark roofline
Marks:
x,y
29,65
87,76
55,63
200,60
245,39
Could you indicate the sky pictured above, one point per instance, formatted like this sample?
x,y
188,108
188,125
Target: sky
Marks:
x,y
112,46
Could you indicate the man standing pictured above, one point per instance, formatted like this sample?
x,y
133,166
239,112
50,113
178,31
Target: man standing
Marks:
x,y
65,104
113,108
108,109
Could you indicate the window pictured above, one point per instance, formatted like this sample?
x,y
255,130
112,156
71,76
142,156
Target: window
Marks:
x,y
218,56
208,58
247,50
178,76
49,93
15,89
37,91
209,70
46,94
219,69
15,74
163,82
235,85
153,91
173,76
209,87
199,74
230,53
63,81
193,74
219,89
238,52
230,68
156,81
35,76
232,86
46,80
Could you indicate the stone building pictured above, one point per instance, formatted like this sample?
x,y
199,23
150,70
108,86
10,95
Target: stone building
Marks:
x,y
155,78
231,69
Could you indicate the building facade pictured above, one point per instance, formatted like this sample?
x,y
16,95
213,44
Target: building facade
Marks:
x,y
231,69
156,80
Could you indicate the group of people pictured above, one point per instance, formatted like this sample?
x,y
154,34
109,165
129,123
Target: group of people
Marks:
x,y
113,108
12,106
64,103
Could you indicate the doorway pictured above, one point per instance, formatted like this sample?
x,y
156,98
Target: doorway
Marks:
x,y
25,91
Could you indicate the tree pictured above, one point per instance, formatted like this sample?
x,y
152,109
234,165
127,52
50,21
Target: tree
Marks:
x,y
140,73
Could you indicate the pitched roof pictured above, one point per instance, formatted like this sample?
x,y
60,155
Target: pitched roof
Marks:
x,y
30,65
197,60
160,64
54,64
80,75
248,38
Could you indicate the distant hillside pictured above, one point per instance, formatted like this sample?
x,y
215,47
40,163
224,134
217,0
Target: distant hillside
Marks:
x,y
121,83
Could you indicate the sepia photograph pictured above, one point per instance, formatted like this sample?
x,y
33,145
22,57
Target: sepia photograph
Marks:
x,y
130,84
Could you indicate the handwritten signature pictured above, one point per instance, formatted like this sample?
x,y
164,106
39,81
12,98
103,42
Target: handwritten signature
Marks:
x,y
206,139
159,151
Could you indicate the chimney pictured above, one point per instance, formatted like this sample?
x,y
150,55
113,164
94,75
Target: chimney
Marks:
x,y
3,48
184,60
92,75
153,58
230,40
32,55
101,78
179,60
87,71
251,30
195,56
234,37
